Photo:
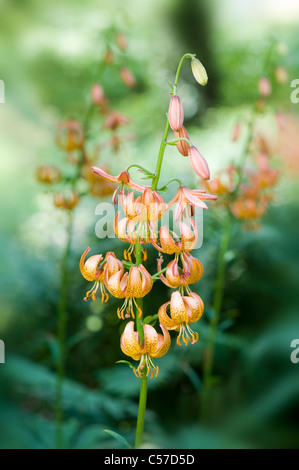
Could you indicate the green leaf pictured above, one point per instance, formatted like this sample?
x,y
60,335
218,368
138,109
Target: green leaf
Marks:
x,y
119,438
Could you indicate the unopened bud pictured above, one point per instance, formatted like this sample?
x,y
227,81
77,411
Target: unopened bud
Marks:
x,y
121,41
281,75
198,163
127,77
264,86
175,113
47,174
199,72
182,145
236,132
97,94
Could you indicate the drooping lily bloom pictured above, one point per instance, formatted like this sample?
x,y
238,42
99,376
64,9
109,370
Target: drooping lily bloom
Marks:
x,y
249,209
154,345
184,310
146,208
142,215
224,182
129,231
93,270
123,179
48,174
172,243
66,201
191,271
131,286
70,136
186,198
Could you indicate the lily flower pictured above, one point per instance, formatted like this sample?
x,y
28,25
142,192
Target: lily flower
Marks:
x,y
70,136
172,243
129,231
191,271
184,310
187,198
123,179
93,270
131,286
154,345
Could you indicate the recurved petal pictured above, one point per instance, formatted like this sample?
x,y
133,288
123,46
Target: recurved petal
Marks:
x,y
114,284
98,171
165,319
188,237
177,308
194,307
147,281
89,269
134,287
150,340
163,342
167,242
129,342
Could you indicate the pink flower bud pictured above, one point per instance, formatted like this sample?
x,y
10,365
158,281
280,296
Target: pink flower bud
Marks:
x,y
236,132
121,41
127,77
175,113
264,86
182,145
97,94
281,75
280,120
198,163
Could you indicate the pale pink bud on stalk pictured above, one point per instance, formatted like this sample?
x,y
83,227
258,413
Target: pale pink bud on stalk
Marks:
x,y
236,132
198,163
199,72
127,77
121,41
182,145
281,75
97,94
264,86
280,120
175,113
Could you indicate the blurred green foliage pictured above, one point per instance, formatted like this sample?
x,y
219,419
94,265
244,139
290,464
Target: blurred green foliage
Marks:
x,y
49,55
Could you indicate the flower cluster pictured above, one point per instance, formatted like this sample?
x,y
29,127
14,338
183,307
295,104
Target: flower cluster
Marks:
x,y
143,209
72,138
247,190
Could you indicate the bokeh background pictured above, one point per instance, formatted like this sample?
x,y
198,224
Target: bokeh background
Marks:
x,y
49,54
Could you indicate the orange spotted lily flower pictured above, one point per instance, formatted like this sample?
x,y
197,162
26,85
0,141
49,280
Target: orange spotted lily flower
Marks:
x,y
93,270
176,277
187,198
123,179
131,286
183,311
142,215
154,345
70,136
171,244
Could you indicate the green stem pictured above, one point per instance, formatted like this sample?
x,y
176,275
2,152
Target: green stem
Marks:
x,y
143,380
141,411
185,56
160,157
61,334
217,304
